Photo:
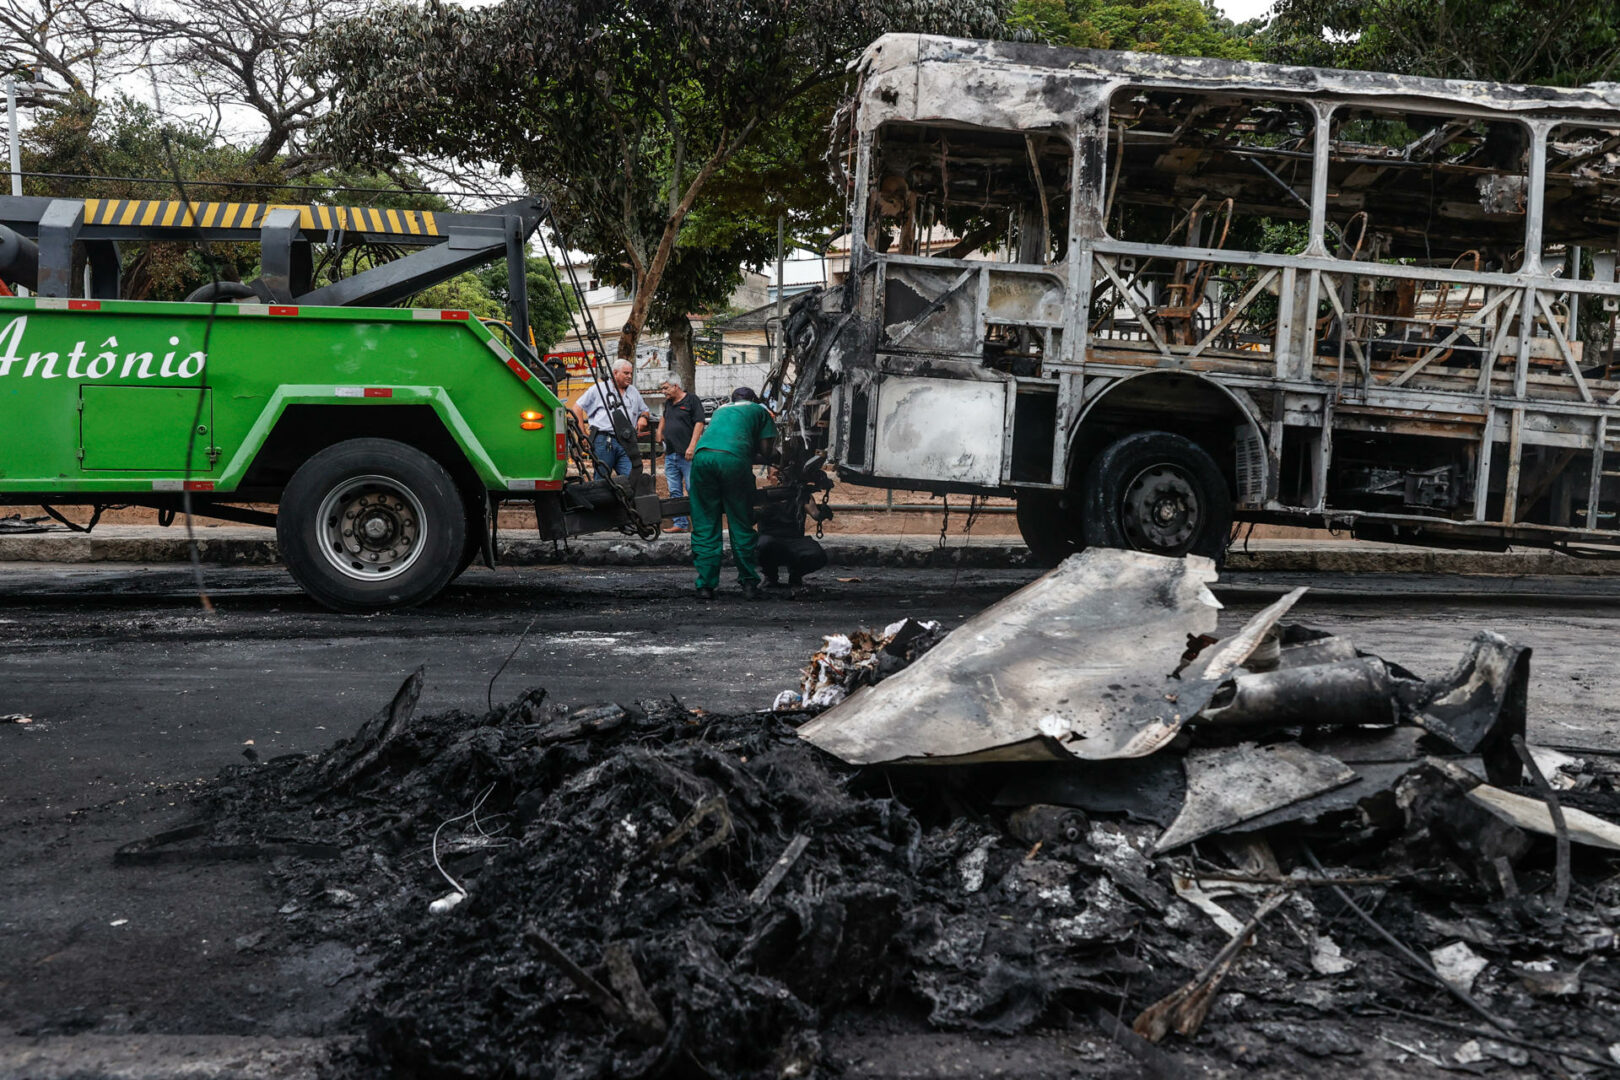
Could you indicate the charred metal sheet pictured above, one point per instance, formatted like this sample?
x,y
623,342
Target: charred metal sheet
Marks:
x,y
1362,747
1231,785
1024,298
1326,649
1025,86
1380,759
1372,779
930,308
1078,664
920,426
1148,789
1480,706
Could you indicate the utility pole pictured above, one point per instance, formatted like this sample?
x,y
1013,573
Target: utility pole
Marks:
x,y
13,135
781,338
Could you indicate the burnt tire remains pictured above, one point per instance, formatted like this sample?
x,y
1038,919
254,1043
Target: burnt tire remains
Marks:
x,y
1158,492
371,524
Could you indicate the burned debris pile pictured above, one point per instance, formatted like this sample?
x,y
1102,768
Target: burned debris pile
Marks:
x,y
1133,821
611,891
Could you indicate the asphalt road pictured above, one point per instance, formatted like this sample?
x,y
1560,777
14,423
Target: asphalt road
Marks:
x,y
129,681
134,692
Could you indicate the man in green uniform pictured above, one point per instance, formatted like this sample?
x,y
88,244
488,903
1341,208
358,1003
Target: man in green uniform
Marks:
x,y
723,483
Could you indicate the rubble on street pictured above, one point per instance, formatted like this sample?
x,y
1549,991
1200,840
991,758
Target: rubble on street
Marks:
x,y
1268,853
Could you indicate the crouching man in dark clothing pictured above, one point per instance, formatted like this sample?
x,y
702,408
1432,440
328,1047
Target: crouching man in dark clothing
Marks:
x,y
801,555
782,542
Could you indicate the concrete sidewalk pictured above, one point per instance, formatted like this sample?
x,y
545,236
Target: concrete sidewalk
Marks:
x,y
237,545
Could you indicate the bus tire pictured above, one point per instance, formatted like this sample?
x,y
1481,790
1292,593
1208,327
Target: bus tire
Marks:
x,y
371,524
1049,529
1157,492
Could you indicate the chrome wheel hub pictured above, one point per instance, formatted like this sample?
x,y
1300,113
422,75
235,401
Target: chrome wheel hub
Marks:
x,y
371,528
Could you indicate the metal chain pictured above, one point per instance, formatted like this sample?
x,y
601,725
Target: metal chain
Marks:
x,y
975,506
603,381
945,519
826,512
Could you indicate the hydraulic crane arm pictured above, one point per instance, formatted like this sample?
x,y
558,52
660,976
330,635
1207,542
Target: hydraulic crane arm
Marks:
x,y
38,236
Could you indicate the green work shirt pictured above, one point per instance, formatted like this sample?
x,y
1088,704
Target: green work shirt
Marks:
x,y
736,428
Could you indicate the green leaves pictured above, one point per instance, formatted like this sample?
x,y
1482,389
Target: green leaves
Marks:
x,y
548,313
1176,27
1557,42
627,114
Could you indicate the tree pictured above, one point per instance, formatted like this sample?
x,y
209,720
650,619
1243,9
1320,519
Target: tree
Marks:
x,y
63,52
233,62
1175,27
549,312
464,292
226,56
1557,42
126,138
620,111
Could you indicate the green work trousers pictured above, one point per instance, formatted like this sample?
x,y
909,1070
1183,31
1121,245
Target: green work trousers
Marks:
x,y
722,483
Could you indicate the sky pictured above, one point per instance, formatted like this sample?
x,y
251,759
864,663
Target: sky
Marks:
x,y
1244,10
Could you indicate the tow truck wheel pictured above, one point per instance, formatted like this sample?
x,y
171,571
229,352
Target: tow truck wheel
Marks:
x,y
1158,492
1050,530
371,524
472,548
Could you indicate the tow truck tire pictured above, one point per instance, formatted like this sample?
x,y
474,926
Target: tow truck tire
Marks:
x,y
472,548
1050,530
1157,492
371,524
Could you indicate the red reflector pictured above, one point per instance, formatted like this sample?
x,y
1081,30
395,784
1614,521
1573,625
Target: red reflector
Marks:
x,y
282,309
519,370
453,315
562,444
378,391
548,485
199,485
84,305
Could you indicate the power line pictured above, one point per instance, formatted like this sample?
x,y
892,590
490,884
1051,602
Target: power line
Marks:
x,y
260,184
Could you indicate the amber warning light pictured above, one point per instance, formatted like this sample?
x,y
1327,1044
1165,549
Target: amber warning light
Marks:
x,y
533,421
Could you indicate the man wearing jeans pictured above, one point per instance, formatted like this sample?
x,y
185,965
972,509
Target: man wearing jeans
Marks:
x,y
591,408
679,429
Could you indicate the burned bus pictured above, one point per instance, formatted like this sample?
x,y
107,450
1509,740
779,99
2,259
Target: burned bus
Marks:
x,y
1151,296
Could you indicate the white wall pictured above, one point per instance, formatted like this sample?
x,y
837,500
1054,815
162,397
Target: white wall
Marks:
x,y
713,380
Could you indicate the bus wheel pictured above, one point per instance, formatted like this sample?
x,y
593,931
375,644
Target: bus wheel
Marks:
x,y
371,524
1050,531
1157,492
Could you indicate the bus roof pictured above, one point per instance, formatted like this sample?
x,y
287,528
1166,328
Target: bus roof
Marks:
x,y
1022,86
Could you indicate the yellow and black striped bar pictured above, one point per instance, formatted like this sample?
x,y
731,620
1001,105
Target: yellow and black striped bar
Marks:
x,y
166,213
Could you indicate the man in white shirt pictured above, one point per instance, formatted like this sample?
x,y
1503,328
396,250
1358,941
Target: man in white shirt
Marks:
x,y
592,409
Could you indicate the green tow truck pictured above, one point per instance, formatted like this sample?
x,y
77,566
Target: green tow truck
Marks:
x,y
387,438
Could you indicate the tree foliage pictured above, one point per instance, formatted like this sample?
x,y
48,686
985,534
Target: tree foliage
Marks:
x,y
620,111
549,318
124,150
232,62
1557,42
126,138
1175,27
226,120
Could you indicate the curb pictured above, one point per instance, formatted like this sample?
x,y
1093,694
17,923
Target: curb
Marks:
x,y
248,546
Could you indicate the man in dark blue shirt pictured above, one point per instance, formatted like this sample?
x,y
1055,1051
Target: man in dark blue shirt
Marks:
x,y
679,429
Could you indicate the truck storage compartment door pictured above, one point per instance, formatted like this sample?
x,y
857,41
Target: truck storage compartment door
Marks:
x,y
940,429
145,428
